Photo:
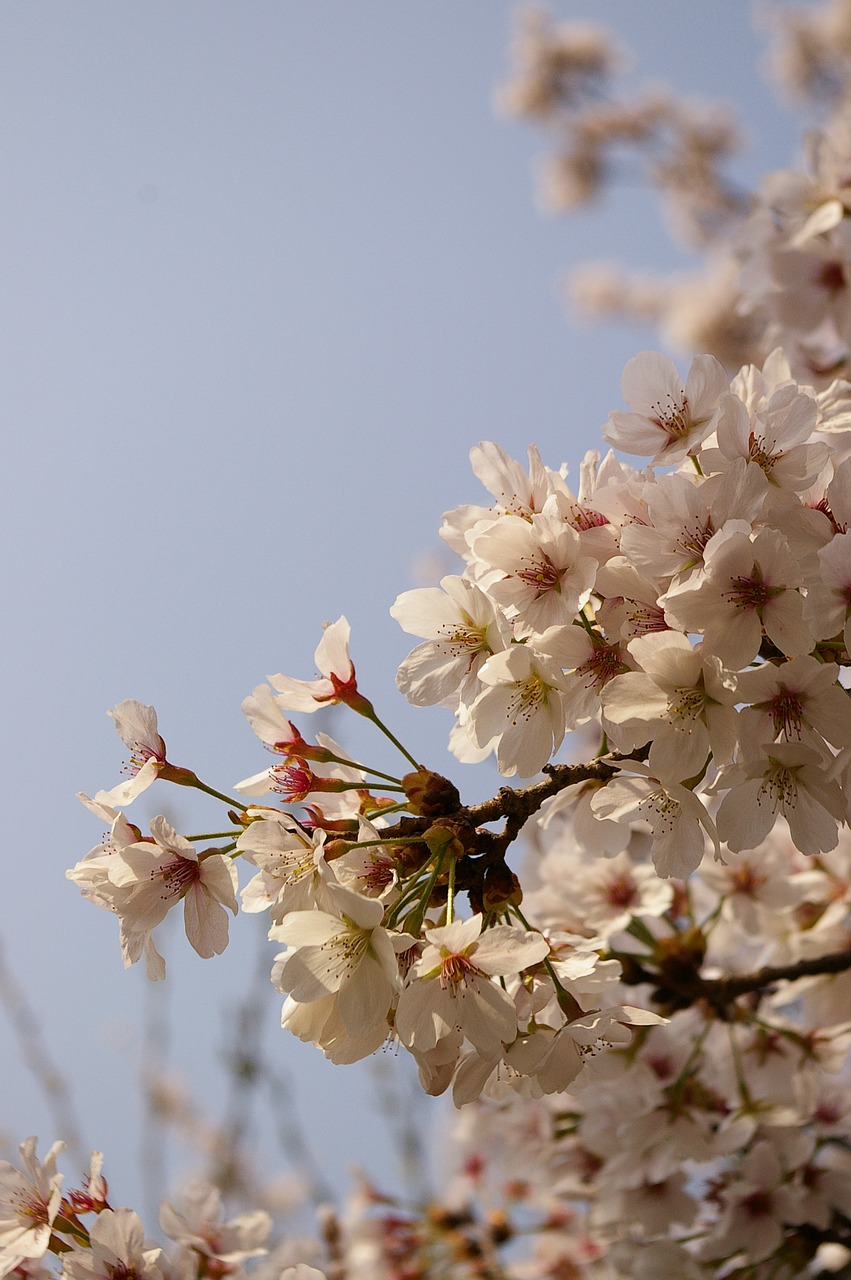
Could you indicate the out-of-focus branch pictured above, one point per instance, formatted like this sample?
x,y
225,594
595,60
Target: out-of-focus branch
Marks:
x,y
684,982
39,1063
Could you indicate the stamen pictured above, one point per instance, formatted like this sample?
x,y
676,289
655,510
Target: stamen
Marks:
x,y
672,417
455,970
787,710
542,575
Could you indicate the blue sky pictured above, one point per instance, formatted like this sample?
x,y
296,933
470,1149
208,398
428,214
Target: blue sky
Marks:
x,y
268,272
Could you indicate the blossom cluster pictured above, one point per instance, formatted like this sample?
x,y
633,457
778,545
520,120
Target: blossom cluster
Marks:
x,y
646,1023
695,614
78,1234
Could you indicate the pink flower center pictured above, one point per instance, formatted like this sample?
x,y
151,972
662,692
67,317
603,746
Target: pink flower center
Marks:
x,y
758,1204
832,277
687,704
604,663
644,618
620,892
29,1206
528,696
760,455
178,876
693,540
460,640
744,880
751,593
787,711
672,417
779,788
455,970
293,781
583,518
542,575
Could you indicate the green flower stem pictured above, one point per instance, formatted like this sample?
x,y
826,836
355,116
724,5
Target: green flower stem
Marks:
x,y
418,913
689,1064
518,914
744,1091
586,622
366,844
213,835
638,930
392,808
218,795
360,786
450,893
363,768
568,1003
226,848
408,896
368,710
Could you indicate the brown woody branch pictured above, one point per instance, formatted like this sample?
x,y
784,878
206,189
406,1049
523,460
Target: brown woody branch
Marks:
x,y
678,981
516,807
690,988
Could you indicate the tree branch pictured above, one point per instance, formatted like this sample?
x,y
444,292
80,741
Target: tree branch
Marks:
x,y
690,987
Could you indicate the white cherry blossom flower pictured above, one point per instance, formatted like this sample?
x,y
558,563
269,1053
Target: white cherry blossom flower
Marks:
x,y
336,683
776,437
153,876
29,1203
755,1208
462,626
755,886
196,1222
347,956
678,820
521,706
631,605
749,587
451,989
786,779
681,701
136,725
668,420
293,874
117,1249
516,492
798,701
684,514
543,578
92,874
599,896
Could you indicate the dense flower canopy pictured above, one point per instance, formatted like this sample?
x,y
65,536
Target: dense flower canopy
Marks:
x,y
650,1007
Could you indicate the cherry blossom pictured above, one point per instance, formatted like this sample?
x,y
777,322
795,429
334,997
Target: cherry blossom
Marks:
x,y
336,682
136,725
669,420
29,1203
450,988
117,1248
749,588
678,820
463,626
786,779
346,956
521,706
152,876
